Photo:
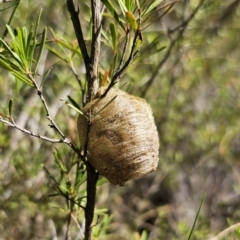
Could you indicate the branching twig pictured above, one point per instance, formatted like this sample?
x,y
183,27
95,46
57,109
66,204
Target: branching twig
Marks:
x,y
50,119
124,50
14,125
39,92
121,71
65,140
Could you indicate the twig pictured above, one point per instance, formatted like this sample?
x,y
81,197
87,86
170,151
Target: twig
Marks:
x,y
14,125
52,140
67,235
80,84
225,233
124,50
50,119
121,71
78,31
79,227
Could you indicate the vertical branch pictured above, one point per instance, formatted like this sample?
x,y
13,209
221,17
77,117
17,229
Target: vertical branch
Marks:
x,y
91,65
92,177
92,77
78,32
95,49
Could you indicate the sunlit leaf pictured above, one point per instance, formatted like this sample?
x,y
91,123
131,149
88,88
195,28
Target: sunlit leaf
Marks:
x,y
130,4
152,6
13,54
114,36
131,20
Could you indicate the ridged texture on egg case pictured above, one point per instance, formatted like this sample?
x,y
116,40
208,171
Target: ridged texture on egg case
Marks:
x,y
122,141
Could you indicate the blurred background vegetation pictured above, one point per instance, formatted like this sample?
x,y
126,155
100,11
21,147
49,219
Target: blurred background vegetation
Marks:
x,y
193,87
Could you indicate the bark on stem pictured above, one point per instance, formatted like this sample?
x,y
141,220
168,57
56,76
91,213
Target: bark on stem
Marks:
x,y
92,77
91,64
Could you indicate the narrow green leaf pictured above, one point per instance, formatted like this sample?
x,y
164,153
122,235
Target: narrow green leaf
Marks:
x,y
109,6
37,23
131,20
42,44
10,32
34,37
13,54
22,77
21,48
80,179
57,54
101,211
29,48
122,6
144,235
112,11
66,44
195,220
74,103
9,64
152,6
73,107
59,162
130,4
114,36
25,39
5,64
106,38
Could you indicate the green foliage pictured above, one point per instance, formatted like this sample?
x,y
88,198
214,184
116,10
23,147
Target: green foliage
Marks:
x,y
18,56
189,79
